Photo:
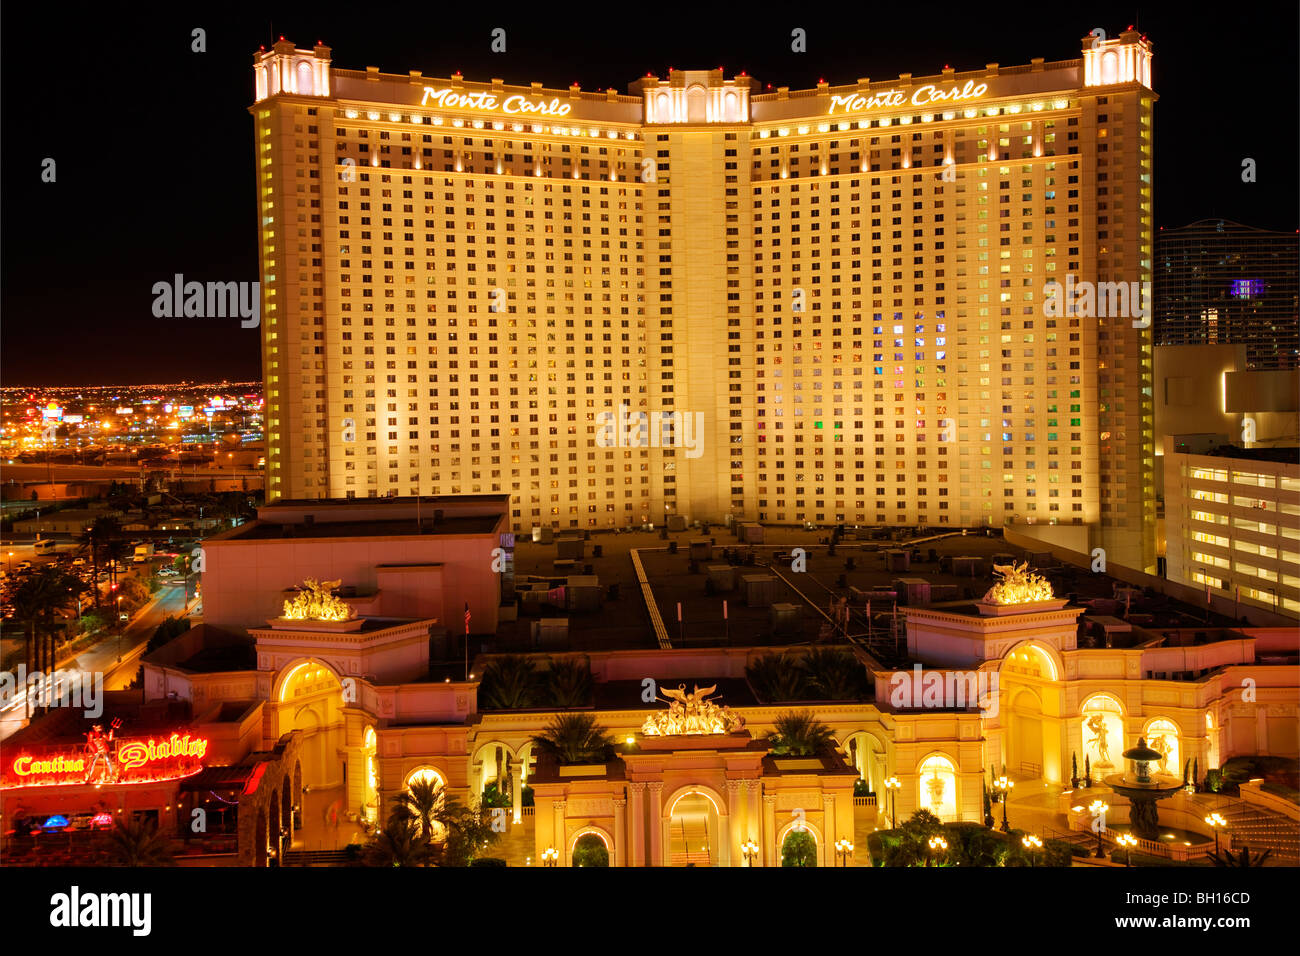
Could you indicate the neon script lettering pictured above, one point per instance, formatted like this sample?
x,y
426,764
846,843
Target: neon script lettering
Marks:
x,y
483,100
137,754
921,96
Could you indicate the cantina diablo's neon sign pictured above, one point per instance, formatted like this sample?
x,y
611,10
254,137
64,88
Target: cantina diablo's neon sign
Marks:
x,y
922,96
483,100
137,761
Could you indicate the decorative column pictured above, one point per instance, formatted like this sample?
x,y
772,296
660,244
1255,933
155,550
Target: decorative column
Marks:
x,y
828,827
636,823
658,825
617,853
727,834
768,838
753,822
517,789
560,836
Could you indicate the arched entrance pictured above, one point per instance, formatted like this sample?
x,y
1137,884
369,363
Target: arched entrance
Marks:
x,y
311,700
1025,743
432,774
1103,735
799,848
693,830
590,849
867,755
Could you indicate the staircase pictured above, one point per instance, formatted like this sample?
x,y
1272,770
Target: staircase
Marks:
x,y
316,858
696,835
1257,828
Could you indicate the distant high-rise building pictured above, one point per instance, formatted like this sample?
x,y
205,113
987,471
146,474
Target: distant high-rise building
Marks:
x,y
842,293
1222,283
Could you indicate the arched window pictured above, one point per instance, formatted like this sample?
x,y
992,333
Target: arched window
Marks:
x,y
937,786
306,78
1162,736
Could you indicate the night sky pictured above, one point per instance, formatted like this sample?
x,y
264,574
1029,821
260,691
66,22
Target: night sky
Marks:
x,y
154,145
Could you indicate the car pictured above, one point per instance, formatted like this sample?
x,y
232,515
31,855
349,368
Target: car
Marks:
x,y
167,572
24,566
78,562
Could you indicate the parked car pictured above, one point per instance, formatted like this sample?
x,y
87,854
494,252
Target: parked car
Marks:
x,y
24,566
78,562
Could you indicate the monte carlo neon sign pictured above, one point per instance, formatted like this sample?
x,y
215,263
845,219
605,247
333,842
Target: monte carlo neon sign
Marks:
x,y
921,96
483,100
98,762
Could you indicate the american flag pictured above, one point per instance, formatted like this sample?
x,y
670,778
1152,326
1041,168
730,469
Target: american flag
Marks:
x,y
466,617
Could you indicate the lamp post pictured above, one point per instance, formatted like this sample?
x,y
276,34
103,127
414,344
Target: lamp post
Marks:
x,y
842,850
1098,810
1003,786
1215,821
1128,841
550,856
892,785
750,850
936,843
1031,843
119,628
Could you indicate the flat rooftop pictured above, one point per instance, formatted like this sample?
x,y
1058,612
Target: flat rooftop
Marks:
x,y
1286,455
260,530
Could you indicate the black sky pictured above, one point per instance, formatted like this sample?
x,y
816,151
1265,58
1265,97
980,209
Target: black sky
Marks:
x,y
154,147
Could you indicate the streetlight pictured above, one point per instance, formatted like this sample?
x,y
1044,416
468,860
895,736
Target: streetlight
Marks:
x,y
1215,821
119,628
1031,843
750,851
1003,786
842,850
1098,810
936,843
550,856
892,785
1128,841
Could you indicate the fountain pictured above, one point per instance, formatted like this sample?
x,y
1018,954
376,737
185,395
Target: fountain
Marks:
x,y
1143,789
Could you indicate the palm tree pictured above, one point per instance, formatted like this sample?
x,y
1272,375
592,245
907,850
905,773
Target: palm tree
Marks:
x,y
36,602
102,530
397,844
569,682
115,550
575,738
1241,859
835,674
510,682
137,842
778,677
423,804
799,734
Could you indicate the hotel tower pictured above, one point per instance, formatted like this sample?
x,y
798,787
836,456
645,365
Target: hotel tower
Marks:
x,y
844,293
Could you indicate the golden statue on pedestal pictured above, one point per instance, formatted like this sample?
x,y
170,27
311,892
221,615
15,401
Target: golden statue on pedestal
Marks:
x,y
316,602
691,713
1019,585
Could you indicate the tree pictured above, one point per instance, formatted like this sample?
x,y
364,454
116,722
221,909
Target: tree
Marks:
x,y
835,674
799,734
799,849
575,738
397,844
988,805
510,682
1242,859
36,603
778,677
102,530
469,836
1074,770
169,629
590,851
913,844
425,805
569,682
137,842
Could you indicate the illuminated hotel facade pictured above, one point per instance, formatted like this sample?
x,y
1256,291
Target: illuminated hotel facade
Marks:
x,y
844,285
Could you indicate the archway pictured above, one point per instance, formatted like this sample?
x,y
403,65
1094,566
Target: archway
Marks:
x,y
693,830
799,848
275,834
1025,744
590,849
370,791
936,781
430,773
1162,736
868,756
311,700
1103,734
